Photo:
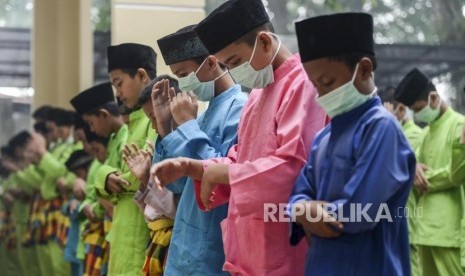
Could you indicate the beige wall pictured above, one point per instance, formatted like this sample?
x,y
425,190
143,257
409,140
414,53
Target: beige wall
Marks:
x,y
62,50
145,21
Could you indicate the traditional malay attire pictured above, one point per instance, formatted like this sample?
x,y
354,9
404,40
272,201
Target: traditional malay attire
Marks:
x,y
196,246
362,157
276,129
439,228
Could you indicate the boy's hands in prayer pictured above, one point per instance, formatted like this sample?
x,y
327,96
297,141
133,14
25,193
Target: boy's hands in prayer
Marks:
x,y
138,161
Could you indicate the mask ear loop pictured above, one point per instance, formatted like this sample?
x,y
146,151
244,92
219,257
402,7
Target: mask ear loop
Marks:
x,y
198,69
255,48
355,72
217,78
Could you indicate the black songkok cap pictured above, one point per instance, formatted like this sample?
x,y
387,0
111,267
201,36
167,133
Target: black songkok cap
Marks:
x,y
78,159
131,56
229,22
64,117
79,123
412,87
333,35
181,45
93,98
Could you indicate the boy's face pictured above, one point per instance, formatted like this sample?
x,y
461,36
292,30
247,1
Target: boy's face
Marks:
x,y
127,88
79,135
81,173
52,131
184,68
328,75
28,153
99,151
433,101
236,54
148,110
98,124
64,132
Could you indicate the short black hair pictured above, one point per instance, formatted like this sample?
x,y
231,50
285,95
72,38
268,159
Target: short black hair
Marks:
x,y
101,140
41,128
19,140
79,159
352,59
41,113
111,107
7,151
146,93
4,171
251,36
133,71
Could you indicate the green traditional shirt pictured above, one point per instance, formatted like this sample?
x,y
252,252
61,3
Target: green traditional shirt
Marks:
x,y
443,205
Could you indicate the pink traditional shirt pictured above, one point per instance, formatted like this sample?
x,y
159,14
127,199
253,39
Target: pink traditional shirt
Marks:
x,y
275,133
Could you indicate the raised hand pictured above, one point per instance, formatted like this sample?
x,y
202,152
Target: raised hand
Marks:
x,y
138,162
161,97
184,107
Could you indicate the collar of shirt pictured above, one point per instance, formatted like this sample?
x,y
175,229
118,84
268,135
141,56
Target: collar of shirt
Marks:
x,y
355,113
231,91
136,114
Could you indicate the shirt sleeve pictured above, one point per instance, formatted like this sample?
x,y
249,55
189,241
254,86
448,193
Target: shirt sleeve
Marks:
x,y
302,191
458,163
139,199
297,122
101,178
189,140
222,192
53,169
384,164
449,176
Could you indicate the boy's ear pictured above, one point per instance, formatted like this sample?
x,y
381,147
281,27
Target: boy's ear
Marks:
x,y
366,68
434,96
212,63
103,113
142,74
265,40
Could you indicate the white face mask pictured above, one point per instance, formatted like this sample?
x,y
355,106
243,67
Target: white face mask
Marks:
x,y
428,114
205,91
247,76
343,98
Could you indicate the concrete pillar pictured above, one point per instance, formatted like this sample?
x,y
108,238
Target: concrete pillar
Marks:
x,y
62,50
145,21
